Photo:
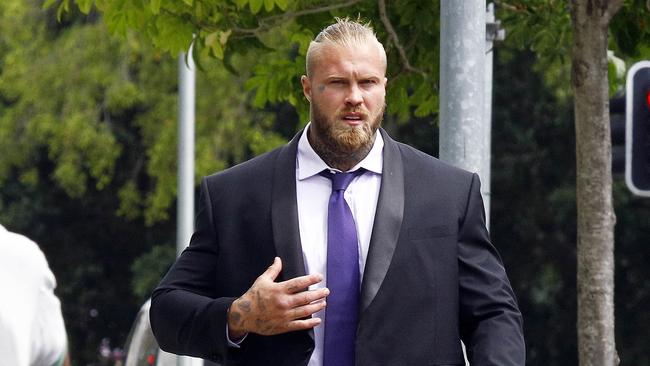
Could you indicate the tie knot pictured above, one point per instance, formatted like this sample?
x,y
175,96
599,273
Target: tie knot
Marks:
x,y
341,181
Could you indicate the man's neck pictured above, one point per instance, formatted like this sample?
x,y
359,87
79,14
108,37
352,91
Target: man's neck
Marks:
x,y
334,158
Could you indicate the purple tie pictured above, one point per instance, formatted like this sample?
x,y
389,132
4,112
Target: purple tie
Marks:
x,y
341,313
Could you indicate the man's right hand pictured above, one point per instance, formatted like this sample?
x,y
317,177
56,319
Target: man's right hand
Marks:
x,y
270,307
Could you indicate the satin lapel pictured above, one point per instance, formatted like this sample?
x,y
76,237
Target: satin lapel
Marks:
x,y
388,222
284,215
284,212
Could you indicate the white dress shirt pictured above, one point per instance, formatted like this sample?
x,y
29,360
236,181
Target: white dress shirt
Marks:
x,y
32,332
313,193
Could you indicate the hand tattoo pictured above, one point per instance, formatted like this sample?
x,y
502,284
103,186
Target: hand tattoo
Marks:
x,y
244,306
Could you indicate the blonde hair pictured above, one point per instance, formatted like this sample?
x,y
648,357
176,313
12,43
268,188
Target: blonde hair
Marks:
x,y
344,33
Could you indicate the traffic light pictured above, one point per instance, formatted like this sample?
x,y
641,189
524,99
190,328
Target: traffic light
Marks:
x,y
637,129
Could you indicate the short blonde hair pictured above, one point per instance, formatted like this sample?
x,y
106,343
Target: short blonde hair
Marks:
x,y
345,33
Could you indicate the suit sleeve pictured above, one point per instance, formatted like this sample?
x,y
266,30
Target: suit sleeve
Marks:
x,y
491,323
186,315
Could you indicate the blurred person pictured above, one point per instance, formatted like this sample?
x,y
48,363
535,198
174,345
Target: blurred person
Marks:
x,y
32,331
378,253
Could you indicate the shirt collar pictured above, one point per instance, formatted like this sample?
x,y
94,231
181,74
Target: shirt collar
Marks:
x,y
309,163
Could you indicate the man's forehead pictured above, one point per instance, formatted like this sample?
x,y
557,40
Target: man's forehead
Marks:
x,y
367,54
370,47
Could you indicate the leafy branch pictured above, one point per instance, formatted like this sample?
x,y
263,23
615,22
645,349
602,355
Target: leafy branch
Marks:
x,y
395,39
265,24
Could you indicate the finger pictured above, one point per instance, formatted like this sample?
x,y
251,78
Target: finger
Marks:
x,y
301,283
307,297
307,310
274,270
303,324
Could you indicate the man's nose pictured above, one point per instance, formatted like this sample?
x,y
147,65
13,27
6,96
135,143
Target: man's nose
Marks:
x,y
354,96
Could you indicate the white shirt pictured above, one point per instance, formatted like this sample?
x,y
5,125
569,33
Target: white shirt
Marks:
x,y
32,332
313,193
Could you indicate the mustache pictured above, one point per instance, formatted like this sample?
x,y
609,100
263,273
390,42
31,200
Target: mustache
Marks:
x,y
360,111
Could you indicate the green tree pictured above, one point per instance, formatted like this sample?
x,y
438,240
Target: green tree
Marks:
x,y
224,29
596,218
116,90
587,33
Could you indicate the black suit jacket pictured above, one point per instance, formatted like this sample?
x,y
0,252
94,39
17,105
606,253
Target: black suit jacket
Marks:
x,y
431,278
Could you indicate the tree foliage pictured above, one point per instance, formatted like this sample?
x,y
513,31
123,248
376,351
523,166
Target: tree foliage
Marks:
x,y
118,94
590,25
544,27
225,29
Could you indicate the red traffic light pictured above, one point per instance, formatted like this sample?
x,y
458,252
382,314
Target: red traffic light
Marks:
x,y
647,99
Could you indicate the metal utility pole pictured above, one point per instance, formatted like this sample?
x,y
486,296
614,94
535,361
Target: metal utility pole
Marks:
x,y
185,208
185,199
463,140
493,33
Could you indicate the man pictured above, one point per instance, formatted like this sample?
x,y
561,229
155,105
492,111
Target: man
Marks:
x,y
32,332
401,284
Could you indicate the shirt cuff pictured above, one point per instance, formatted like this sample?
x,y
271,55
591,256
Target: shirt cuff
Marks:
x,y
237,343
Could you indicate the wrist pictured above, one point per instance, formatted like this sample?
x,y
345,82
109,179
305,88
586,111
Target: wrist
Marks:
x,y
236,323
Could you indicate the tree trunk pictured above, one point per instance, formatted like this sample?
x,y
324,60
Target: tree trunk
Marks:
x,y
596,219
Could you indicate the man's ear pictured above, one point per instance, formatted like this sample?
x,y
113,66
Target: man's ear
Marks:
x,y
306,87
